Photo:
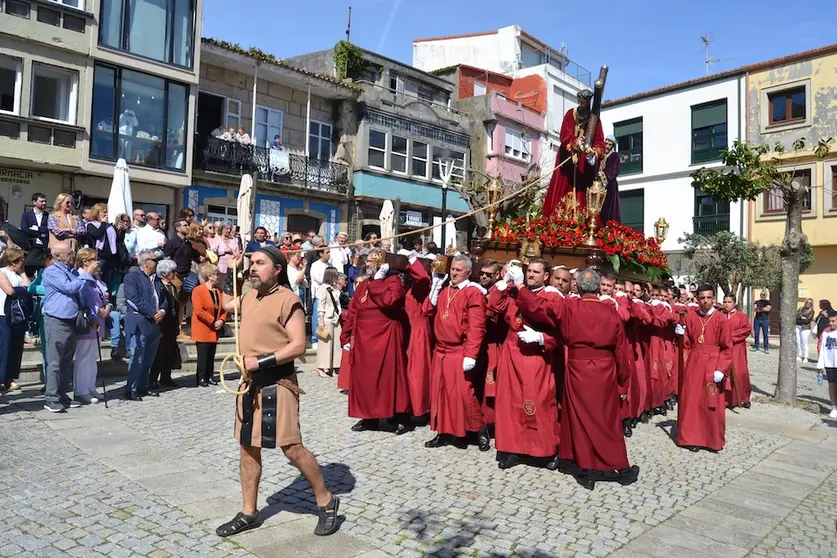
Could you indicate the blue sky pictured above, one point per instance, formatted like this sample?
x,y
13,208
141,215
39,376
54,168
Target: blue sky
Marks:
x,y
646,43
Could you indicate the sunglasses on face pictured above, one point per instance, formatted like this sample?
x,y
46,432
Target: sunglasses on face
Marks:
x,y
486,273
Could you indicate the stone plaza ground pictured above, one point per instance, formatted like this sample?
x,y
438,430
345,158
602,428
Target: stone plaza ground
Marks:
x,y
155,478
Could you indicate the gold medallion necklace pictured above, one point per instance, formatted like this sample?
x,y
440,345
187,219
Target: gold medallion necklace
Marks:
x,y
703,325
446,315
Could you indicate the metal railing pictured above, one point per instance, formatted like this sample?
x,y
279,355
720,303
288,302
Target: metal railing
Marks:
x,y
710,224
272,165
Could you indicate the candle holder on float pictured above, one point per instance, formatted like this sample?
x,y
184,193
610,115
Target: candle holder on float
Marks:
x,y
661,230
595,200
493,193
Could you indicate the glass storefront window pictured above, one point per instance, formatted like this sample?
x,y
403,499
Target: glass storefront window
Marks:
x,y
140,118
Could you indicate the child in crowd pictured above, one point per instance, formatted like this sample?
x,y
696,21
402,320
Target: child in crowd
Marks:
x,y
827,363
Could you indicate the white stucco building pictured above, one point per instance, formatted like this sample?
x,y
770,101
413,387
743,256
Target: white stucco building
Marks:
x,y
512,51
663,136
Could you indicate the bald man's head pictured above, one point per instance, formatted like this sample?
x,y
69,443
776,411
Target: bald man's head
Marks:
x,y
561,280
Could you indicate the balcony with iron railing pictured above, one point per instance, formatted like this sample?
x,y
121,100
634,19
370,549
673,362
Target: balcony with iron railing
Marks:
x,y
707,225
278,166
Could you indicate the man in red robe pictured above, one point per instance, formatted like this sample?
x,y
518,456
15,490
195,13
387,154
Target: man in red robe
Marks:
x,y
739,393
595,381
701,410
640,318
420,346
662,356
459,327
576,163
496,330
527,411
607,291
378,386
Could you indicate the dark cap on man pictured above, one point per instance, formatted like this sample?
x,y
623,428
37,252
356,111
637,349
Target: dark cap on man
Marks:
x,y
275,255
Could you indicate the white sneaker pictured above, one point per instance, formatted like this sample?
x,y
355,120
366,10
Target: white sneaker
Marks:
x,y
804,361
798,359
314,346
833,413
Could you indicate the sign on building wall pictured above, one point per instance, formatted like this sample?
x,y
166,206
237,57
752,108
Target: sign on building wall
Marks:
x,y
16,176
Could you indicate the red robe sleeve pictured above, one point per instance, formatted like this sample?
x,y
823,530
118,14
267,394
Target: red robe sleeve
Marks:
x,y
421,281
598,140
347,318
725,342
475,309
541,312
386,293
498,301
642,312
740,328
624,356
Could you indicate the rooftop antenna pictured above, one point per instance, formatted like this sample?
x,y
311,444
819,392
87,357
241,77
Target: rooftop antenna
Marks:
x,y
709,60
349,26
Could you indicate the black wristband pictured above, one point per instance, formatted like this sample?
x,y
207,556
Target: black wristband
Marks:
x,y
266,361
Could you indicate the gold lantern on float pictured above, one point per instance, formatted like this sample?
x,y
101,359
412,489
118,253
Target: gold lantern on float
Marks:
x,y
595,200
493,193
661,230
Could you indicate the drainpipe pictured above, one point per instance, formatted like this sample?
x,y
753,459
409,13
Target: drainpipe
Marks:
x,y
253,115
308,131
255,175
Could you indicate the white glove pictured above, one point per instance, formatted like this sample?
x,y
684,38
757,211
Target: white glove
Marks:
x,y
606,297
655,302
680,329
468,364
529,335
591,160
621,293
515,275
718,377
347,347
501,285
404,252
436,287
382,271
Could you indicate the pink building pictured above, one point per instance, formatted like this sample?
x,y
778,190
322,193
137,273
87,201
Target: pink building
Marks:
x,y
507,125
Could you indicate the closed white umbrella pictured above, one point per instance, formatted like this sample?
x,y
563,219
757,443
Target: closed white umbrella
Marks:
x,y
244,204
120,199
387,217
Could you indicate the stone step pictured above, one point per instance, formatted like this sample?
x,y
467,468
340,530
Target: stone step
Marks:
x,y
32,363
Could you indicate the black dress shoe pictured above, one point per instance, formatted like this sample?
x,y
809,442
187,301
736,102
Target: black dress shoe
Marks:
x,y
150,393
114,355
746,405
645,417
365,424
693,449
586,479
484,439
204,383
626,429
558,464
401,428
509,460
130,396
439,441
154,385
214,382
628,476
168,382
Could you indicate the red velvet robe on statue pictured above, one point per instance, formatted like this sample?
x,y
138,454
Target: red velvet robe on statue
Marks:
x,y
701,419
527,411
378,382
459,327
596,376
420,347
569,175
740,391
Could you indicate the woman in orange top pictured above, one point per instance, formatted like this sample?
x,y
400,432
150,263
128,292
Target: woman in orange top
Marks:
x,y
208,318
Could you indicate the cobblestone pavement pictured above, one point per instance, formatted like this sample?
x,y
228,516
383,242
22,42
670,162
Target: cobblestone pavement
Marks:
x,y
154,478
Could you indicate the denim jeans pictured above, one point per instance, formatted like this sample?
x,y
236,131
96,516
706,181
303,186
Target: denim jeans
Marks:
x,y
762,326
314,320
143,350
115,328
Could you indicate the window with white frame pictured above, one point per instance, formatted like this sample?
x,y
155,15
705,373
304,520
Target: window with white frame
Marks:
x,y
54,93
377,149
319,141
517,146
11,70
223,213
398,154
419,157
479,88
268,124
233,114
71,3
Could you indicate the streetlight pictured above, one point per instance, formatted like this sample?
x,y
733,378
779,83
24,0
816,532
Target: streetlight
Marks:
x,y
445,171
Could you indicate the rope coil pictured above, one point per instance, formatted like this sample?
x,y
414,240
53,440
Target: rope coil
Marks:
x,y
236,358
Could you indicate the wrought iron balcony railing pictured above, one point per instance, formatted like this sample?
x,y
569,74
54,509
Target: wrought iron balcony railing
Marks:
x,y
710,224
272,165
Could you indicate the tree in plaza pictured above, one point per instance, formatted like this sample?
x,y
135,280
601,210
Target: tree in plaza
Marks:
x,y
734,264
748,172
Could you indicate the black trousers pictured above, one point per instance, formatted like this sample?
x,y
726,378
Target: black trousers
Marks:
x,y
206,361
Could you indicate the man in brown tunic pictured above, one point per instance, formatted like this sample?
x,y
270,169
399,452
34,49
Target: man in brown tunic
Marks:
x,y
272,335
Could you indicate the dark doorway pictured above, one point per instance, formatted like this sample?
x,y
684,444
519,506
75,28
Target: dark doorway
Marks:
x,y
210,113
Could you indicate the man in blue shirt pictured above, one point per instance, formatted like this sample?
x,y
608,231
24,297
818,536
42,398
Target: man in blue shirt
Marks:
x,y
260,241
62,288
146,305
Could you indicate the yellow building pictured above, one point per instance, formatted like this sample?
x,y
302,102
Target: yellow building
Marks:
x,y
787,99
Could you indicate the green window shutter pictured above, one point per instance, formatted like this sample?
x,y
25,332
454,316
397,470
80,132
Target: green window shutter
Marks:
x,y
709,114
632,208
627,127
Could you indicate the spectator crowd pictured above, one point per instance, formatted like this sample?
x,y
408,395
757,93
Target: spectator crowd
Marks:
x,y
73,279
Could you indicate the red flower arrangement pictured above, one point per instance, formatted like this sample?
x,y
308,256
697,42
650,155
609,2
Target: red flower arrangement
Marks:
x,y
620,243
